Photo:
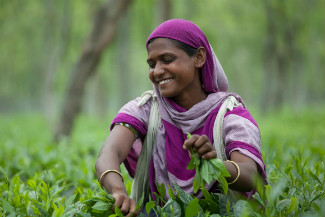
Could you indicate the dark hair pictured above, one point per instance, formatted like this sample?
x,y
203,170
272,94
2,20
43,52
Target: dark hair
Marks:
x,y
189,50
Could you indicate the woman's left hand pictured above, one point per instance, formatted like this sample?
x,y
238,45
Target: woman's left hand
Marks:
x,y
200,145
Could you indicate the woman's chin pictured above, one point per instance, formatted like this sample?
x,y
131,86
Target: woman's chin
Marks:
x,y
166,93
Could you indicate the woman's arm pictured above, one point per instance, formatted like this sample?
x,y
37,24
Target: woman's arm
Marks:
x,y
114,151
248,172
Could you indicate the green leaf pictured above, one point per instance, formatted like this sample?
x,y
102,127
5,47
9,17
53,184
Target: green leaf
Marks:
x,y
228,207
140,202
118,212
70,200
224,184
58,212
193,208
314,176
42,211
282,204
161,189
293,205
223,204
197,161
205,193
197,182
7,207
219,165
16,200
31,183
204,171
171,193
210,205
191,165
149,206
288,169
183,196
243,208
172,208
100,206
16,183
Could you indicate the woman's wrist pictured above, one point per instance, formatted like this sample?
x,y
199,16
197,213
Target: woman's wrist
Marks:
x,y
112,182
233,171
119,190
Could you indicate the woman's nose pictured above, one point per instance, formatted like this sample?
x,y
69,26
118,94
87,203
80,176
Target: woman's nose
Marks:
x,y
158,69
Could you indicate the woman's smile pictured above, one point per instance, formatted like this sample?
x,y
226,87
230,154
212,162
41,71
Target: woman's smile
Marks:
x,y
165,81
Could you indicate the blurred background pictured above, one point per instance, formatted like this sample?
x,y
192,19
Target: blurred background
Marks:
x,y
67,67
90,56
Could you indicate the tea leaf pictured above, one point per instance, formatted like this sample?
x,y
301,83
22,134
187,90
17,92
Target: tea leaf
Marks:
x,y
293,205
149,206
118,212
171,193
100,206
172,208
193,208
207,170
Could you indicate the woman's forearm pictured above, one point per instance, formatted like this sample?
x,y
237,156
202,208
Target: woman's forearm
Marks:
x,y
247,178
110,181
113,153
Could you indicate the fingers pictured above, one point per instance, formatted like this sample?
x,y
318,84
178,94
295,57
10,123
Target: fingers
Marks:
x,y
126,205
132,210
201,145
210,155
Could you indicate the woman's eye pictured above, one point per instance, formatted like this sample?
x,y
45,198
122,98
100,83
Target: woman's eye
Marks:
x,y
169,60
151,65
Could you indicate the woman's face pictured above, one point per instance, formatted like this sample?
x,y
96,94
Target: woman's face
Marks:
x,y
173,72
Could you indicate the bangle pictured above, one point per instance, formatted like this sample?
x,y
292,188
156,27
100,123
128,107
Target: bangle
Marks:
x,y
238,171
133,131
108,171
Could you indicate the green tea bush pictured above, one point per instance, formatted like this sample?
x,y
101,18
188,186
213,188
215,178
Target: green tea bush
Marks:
x,y
40,178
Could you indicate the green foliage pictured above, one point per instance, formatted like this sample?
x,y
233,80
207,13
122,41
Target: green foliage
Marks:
x,y
39,178
207,171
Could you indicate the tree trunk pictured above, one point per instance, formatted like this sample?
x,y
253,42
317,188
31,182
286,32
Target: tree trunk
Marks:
x,y
269,64
101,36
50,59
279,54
165,7
54,53
123,60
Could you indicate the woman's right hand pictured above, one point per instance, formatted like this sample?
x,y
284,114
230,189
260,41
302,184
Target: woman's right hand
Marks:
x,y
114,151
125,204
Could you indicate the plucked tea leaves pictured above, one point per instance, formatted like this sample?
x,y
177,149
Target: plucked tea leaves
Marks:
x,y
207,170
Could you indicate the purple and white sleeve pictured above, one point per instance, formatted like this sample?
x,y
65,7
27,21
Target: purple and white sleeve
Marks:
x,y
241,133
138,118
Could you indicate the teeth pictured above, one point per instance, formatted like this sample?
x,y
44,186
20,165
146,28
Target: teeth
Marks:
x,y
164,81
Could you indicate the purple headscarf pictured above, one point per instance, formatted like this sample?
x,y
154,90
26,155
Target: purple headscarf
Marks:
x,y
213,76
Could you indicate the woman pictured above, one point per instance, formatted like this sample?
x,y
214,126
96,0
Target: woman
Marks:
x,y
190,86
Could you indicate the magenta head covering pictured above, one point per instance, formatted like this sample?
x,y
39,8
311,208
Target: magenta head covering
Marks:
x,y
213,76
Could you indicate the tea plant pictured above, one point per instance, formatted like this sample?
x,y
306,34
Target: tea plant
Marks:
x,y
39,178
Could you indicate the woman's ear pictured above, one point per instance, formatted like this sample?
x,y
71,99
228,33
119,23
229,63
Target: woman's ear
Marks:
x,y
200,57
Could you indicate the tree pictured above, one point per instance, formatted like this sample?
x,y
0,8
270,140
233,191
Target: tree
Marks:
x,y
281,56
102,34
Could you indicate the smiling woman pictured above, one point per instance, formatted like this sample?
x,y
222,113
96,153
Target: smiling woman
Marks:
x,y
190,96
